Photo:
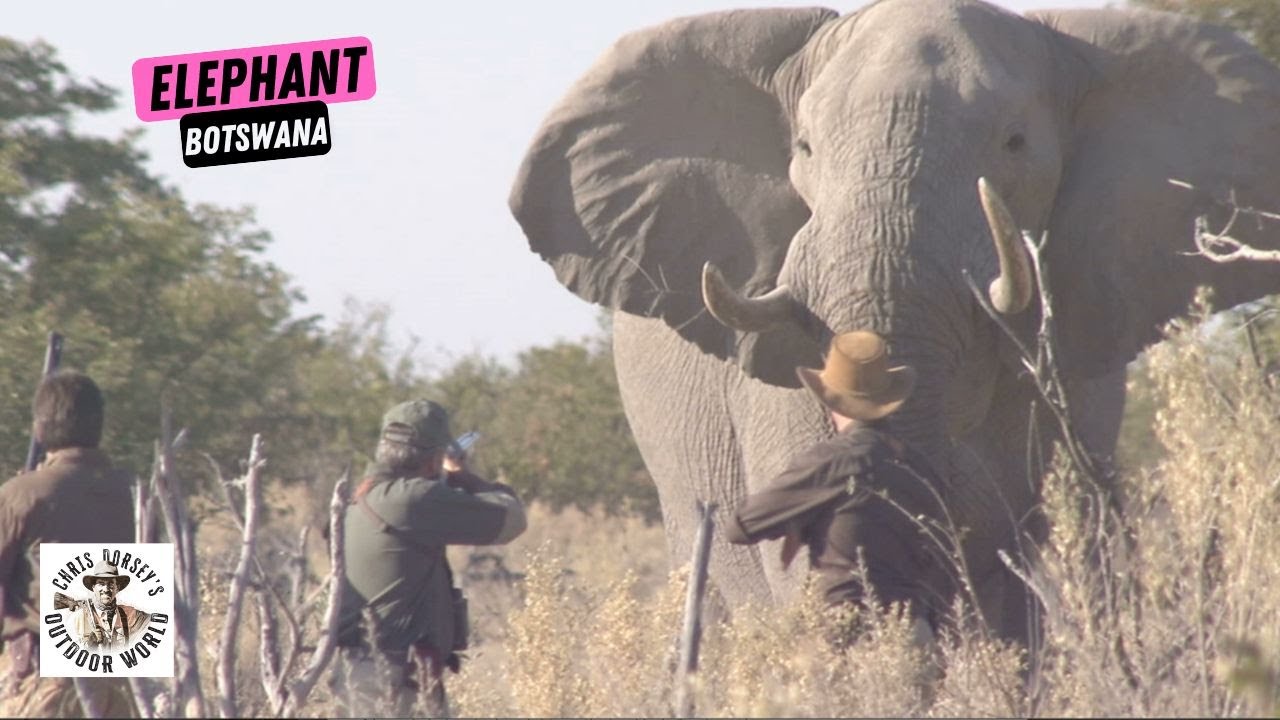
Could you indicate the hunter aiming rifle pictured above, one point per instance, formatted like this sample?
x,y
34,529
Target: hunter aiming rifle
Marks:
x,y
52,358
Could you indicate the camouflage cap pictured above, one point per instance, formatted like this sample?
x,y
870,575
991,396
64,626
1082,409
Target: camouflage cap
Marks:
x,y
421,423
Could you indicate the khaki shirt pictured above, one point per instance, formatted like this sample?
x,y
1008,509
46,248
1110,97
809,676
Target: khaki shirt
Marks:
x,y
75,496
857,490
403,575
92,629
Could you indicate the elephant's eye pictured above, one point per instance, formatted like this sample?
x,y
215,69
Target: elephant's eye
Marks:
x,y
1016,142
802,147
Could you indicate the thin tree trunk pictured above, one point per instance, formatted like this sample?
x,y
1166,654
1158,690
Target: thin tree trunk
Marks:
x,y
188,697
239,581
301,688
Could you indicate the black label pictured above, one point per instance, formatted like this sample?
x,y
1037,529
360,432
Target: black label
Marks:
x,y
273,132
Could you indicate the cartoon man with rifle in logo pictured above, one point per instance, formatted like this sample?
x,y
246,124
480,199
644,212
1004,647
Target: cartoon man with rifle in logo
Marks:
x,y
100,623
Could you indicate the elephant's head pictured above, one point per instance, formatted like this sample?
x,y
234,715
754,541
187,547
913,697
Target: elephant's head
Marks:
x,y
829,167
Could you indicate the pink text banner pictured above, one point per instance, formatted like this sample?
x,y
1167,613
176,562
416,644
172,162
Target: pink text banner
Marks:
x,y
332,71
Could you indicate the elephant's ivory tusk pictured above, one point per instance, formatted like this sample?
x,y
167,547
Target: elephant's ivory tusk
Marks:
x,y
1011,291
742,313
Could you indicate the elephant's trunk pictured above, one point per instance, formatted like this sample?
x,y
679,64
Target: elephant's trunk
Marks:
x,y
921,420
1011,291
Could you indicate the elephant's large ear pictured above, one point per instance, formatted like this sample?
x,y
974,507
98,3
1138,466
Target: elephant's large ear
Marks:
x,y
671,151
1164,98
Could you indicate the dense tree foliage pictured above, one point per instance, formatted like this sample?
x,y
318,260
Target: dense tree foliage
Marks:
x,y
156,297
560,433
1257,20
162,299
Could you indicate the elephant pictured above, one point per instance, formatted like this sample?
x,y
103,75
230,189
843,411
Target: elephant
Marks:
x,y
739,187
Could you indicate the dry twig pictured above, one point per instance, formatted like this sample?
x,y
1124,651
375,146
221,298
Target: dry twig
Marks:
x,y
143,505
301,688
235,596
188,698
1220,247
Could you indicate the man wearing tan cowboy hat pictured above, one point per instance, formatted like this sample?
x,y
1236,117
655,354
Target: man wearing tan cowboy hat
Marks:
x,y
861,489
101,623
416,499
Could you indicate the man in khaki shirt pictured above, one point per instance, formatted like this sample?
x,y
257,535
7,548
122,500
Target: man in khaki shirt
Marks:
x,y
74,496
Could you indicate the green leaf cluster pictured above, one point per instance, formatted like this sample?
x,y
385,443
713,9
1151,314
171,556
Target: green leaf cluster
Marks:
x,y
1256,20
156,297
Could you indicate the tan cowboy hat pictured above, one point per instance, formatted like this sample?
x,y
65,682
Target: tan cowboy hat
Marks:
x,y
105,569
857,381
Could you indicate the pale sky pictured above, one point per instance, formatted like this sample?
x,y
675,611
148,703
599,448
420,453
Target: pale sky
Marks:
x,y
409,208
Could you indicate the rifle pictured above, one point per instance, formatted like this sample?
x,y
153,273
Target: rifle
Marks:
x,y
457,449
52,358
66,602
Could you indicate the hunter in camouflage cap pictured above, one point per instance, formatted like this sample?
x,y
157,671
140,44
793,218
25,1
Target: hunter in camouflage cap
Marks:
x,y
421,423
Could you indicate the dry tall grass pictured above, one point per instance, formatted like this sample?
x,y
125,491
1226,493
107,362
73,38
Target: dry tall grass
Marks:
x,y
579,617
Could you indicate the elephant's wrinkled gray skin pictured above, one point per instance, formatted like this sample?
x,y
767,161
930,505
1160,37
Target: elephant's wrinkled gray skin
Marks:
x,y
840,157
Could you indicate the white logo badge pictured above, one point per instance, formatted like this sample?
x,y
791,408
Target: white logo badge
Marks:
x,y
106,610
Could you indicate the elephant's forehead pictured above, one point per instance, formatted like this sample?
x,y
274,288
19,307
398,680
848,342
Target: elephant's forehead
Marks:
x,y
973,50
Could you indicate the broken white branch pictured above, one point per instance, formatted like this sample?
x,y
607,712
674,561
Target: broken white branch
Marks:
x,y
188,698
269,652
239,581
301,688
142,503
88,703
1221,247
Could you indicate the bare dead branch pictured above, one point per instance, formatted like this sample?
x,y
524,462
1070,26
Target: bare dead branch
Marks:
x,y
142,504
301,688
691,634
1221,247
225,486
275,674
266,584
239,580
294,612
1050,601
268,652
141,514
298,567
87,702
188,698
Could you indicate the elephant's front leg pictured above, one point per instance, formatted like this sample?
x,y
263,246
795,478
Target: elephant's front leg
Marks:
x,y
676,401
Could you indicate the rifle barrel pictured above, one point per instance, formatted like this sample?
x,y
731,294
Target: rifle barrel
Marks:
x,y
52,358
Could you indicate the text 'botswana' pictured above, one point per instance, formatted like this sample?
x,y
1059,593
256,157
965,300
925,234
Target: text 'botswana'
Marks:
x,y
273,132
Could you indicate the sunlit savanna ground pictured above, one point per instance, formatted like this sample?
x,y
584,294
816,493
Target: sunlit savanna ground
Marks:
x,y
580,616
